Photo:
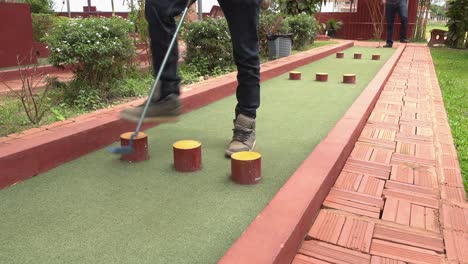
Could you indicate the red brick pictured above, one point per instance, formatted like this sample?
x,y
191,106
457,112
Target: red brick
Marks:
x,y
357,197
432,223
398,158
383,260
371,186
332,253
356,234
450,161
454,217
352,207
453,194
407,237
366,167
423,200
403,213
327,227
453,177
425,177
302,259
411,188
403,252
456,244
349,181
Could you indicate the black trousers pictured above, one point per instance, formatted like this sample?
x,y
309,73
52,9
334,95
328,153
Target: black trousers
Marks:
x,y
391,9
242,18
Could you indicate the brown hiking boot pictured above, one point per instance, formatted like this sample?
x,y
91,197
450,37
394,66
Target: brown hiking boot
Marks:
x,y
167,109
243,138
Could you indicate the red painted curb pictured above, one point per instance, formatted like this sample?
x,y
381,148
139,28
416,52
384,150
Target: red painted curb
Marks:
x,y
277,232
50,146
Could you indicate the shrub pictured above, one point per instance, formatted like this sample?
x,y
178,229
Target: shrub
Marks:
x,y
99,50
209,48
296,7
41,6
304,28
43,24
457,24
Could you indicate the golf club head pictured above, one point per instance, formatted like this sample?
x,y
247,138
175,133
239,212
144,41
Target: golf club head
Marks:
x,y
121,150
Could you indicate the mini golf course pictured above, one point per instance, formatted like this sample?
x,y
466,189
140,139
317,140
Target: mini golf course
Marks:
x,y
98,209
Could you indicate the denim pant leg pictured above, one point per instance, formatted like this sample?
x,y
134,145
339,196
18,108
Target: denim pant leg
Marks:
x,y
390,12
161,24
242,18
403,13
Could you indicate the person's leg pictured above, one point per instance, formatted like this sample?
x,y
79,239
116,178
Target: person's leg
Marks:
x,y
390,12
242,17
161,25
165,105
403,13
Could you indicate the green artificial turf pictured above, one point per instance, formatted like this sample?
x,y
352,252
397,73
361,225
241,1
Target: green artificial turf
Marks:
x,y
97,209
452,68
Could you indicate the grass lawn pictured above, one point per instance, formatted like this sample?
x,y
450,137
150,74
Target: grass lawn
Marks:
x,y
452,68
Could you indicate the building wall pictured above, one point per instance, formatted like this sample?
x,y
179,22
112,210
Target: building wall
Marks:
x,y
16,36
358,25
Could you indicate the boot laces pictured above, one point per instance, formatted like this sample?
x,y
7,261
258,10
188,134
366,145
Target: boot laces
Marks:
x,y
241,135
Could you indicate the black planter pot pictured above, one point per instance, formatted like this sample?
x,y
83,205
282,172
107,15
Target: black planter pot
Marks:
x,y
331,32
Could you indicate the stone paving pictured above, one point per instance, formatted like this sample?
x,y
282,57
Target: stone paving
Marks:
x,y
400,196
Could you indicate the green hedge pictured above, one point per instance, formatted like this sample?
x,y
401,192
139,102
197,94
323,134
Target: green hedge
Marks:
x,y
209,49
99,50
304,29
43,24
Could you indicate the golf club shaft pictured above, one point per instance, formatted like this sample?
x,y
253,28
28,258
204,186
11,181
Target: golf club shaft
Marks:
x,y
158,76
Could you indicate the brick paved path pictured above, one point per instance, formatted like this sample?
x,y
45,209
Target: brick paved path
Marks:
x,y
400,196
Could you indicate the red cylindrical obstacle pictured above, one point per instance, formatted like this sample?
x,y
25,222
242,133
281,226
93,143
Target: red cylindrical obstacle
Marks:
x,y
187,155
357,56
294,75
349,78
246,167
140,147
375,57
340,55
321,77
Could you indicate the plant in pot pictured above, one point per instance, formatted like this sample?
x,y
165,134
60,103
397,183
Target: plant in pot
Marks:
x,y
333,26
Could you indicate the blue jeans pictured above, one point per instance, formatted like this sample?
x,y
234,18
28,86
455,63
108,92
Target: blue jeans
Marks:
x,y
242,17
391,8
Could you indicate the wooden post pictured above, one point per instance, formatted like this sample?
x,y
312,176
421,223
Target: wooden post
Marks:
x,y
187,156
246,167
321,77
357,56
140,147
294,75
349,78
340,55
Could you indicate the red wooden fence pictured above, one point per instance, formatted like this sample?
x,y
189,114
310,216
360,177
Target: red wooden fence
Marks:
x,y
16,36
358,25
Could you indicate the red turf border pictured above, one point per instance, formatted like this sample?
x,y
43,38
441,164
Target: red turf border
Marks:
x,y
277,232
24,155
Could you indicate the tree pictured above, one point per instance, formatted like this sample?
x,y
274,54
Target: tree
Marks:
x,y
41,6
376,9
421,20
437,10
295,7
457,24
